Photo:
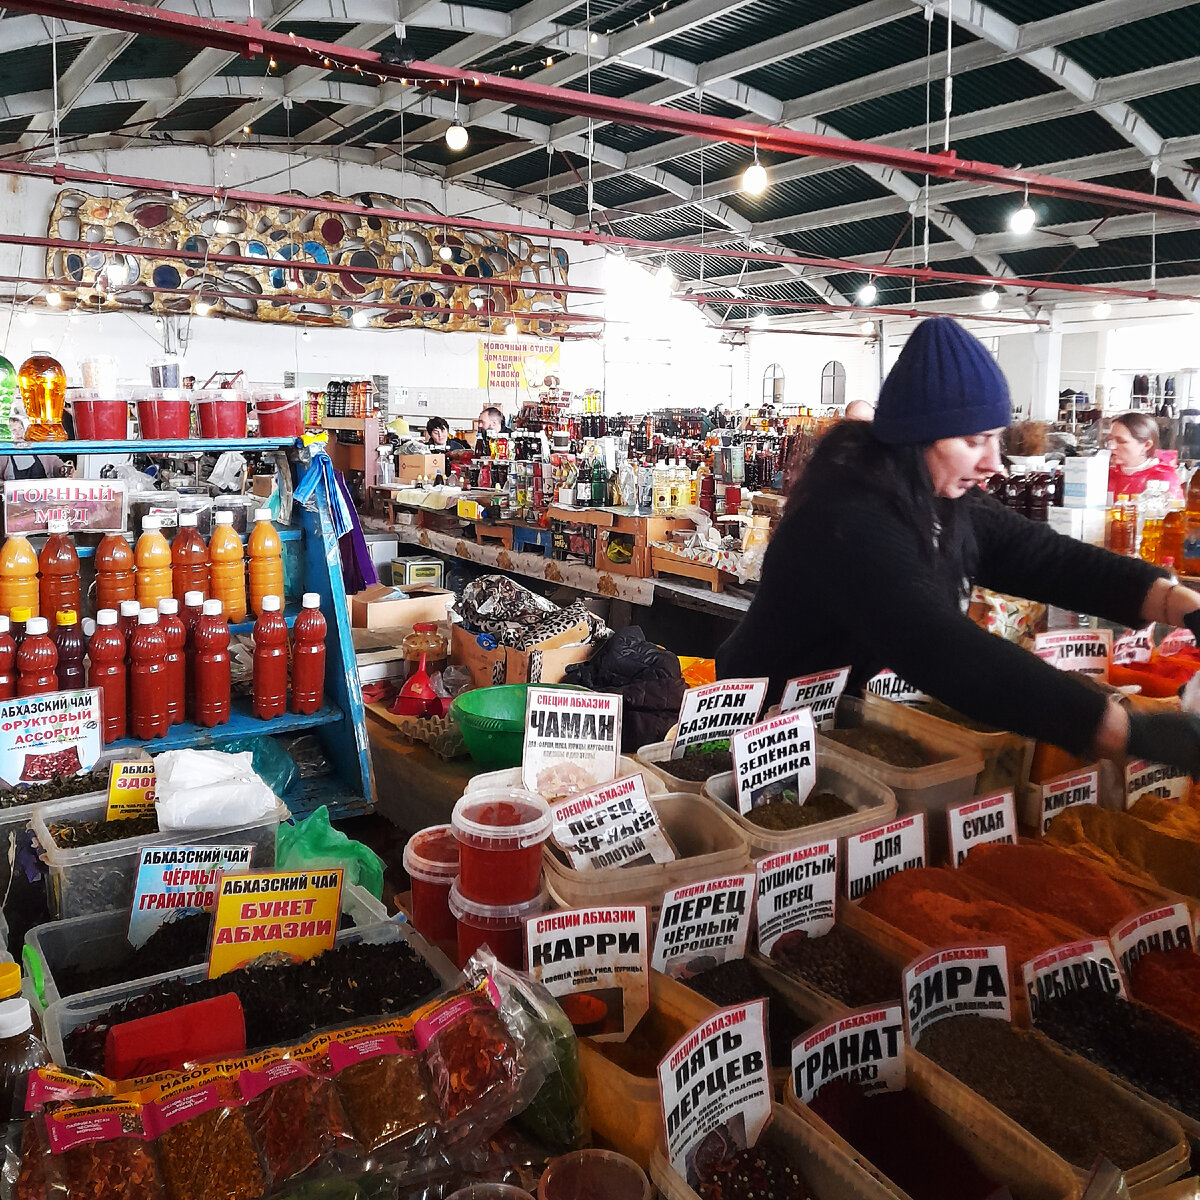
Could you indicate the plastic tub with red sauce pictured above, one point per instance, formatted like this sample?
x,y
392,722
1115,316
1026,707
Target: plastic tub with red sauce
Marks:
x,y
98,420
585,1174
500,835
280,414
222,413
431,860
165,414
500,927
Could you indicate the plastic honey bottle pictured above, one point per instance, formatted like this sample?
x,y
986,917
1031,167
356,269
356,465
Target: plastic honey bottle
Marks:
x,y
68,641
153,556
18,576
266,561
37,660
148,679
106,671
212,678
59,565
308,656
8,662
227,570
189,559
270,661
175,634
114,572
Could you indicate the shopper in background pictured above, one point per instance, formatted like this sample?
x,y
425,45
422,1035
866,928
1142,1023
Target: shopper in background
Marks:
x,y
885,534
437,433
1132,442
491,421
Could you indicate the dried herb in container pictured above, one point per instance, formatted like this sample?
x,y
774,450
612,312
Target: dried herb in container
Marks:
x,y
887,745
787,814
100,1149
71,835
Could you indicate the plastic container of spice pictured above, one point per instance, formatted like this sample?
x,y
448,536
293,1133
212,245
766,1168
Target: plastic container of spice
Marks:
x,y
999,1147
500,835
501,927
872,800
431,860
511,777
582,1173
929,789
707,844
89,879
830,1173
70,1012
98,939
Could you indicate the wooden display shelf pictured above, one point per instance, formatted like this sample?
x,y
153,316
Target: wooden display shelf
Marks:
x,y
663,562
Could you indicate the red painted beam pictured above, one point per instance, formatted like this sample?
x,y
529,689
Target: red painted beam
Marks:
x,y
62,174
252,40
853,311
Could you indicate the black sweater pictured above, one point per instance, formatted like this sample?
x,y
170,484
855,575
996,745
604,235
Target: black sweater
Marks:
x,y
844,583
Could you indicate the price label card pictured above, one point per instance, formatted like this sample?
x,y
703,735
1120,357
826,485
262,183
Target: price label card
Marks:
x,y
1134,646
612,826
890,686
1175,641
1087,651
818,693
876,854
703,924
716,1081
48,737
978,822
179,879
865,1047
595,961
1154,779
775,760
294,913
716,711
949,983
1067,791
1076,968
572,741
130,791
1166,928
796,894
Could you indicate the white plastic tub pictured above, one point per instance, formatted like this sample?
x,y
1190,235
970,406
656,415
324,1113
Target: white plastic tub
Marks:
x,y
872,800
93,879
511,777
930,789
86,942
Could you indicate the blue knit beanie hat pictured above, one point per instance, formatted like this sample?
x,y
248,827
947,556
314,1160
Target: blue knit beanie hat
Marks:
x,y
945,384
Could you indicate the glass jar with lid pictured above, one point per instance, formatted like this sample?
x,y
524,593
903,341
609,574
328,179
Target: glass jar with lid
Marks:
x,y
424,639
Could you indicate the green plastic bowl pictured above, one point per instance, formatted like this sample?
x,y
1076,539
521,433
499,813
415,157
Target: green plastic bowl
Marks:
x,y
492,720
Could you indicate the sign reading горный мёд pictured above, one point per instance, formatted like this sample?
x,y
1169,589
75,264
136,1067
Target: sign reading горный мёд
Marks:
x,y
87,505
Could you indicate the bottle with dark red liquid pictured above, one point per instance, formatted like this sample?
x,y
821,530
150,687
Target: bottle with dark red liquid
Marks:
x,y
37,660
68,641
148,679
106,671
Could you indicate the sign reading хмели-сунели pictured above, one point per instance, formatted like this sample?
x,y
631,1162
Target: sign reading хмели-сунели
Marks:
x,y
714,712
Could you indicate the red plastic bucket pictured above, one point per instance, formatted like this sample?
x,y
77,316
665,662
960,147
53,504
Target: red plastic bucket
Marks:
x,y
222,414
165,414
99,420
280,414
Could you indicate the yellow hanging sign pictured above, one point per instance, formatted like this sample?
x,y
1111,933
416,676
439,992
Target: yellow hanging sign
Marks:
x,y
130,791
274,912
516,363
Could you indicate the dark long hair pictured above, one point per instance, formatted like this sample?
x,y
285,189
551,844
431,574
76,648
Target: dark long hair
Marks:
x,y
851,455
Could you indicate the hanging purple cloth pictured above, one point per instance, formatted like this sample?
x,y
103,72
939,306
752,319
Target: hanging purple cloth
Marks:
x,y
357,567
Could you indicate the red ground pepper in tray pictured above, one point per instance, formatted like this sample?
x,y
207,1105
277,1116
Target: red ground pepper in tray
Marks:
x,y
470,1055
1169,980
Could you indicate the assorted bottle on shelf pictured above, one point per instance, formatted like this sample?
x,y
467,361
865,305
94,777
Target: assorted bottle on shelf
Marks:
x,y
1158,528
343,398
1031,494
160,649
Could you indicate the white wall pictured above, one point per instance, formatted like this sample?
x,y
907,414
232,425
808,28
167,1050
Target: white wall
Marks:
x,y
803,358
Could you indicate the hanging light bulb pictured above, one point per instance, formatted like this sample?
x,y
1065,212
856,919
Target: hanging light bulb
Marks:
x,y
203,308
1023,219
304,334
760,321
666,278
594,38
868,293
867,327
754,177
361,319
117,273
54,299
511,329
445,253
1102,310
989,299
456,135
293,283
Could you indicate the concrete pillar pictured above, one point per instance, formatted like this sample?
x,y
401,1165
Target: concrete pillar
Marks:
x,y
1032,363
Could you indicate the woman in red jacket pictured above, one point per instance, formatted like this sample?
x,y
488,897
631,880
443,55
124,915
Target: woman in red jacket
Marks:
x,y
1132,442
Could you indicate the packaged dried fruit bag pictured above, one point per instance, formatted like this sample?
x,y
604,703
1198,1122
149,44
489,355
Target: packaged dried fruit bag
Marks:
x,y
100,1148
204,1144
294,1115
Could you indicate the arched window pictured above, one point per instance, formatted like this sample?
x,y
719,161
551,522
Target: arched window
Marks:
x,y
833,385
773,384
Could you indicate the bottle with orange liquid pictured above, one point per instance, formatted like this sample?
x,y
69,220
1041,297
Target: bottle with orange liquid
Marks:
x,y
114,572
43,384
18,576
189,559
1171,542
59,564
1191,537
227,570
1122,526
266,561
153,558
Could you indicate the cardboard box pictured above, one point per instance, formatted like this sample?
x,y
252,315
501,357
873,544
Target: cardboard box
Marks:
x,y
1085,481
411,467
1086,524
380,607
417,570
546,662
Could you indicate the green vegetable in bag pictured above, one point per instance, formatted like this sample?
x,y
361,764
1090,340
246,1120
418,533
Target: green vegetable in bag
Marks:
x,y
315,843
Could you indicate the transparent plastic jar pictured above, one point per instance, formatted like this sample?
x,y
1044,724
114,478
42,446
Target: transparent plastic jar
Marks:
x,y
424,639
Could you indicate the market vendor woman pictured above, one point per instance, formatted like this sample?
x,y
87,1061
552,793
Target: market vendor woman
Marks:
x,y
885,534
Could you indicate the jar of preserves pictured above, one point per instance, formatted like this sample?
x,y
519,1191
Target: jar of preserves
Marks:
x,y
427,640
